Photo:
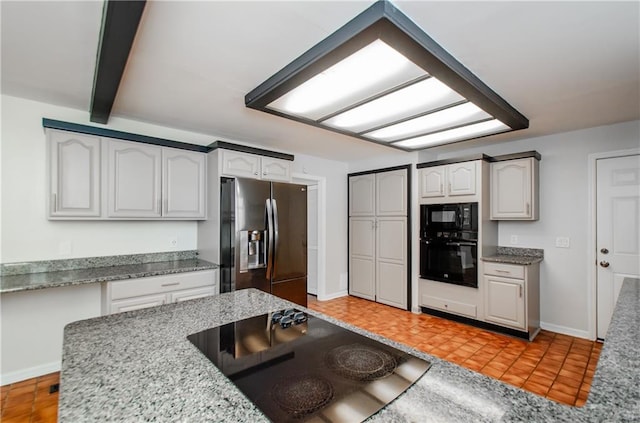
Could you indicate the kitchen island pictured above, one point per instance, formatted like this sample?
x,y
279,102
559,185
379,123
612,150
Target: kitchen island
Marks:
x,y
139,366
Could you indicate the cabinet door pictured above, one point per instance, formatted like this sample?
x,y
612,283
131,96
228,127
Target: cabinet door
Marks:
x,y
505,301
191,294
275,169
362,195
74,174
391,193
511,189
137,303
391,261
240,164
362,266
183,183
432,181
134,179
461,178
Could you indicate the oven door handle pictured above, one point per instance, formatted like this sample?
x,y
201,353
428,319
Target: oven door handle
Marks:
x,y
460,244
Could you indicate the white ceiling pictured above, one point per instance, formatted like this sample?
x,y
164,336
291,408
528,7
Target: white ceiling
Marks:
x,y
564,65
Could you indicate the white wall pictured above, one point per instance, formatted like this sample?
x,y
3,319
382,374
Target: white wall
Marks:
x,y
336,219
27,235
564,195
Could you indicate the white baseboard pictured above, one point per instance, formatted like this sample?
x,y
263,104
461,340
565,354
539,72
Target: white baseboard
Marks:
x,y
31,372
333,296
565,330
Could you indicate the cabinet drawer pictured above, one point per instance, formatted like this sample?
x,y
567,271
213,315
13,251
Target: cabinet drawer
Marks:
x,y
160,284
443,304
505,270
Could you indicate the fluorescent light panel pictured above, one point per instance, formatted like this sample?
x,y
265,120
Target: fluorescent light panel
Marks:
x,y
380,78
429,94
367,72
453,135
438,121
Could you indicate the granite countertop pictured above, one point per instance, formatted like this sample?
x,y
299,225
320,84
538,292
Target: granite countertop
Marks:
x,y
52,279
514,255
139,366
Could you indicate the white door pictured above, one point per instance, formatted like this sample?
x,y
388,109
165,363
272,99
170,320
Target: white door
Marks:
x,y
183,183
391,261
135,177
617,231
362,257
391,193
362,195
312,239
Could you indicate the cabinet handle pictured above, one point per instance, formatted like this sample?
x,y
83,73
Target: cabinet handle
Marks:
x,y
255,173
449,192
55,203
528,207
441,188
520,291
502,271
170,284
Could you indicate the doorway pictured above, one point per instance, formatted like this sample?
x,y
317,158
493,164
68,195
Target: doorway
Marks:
x,y
617,230
316,218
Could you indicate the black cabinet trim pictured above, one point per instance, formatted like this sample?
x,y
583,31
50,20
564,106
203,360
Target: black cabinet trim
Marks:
x,y
515,156
127,136
455,160
251,150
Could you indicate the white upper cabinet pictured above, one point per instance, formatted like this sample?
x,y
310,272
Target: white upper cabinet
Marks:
x,y
245,165
391,193
240,164
432,181
74,175
183,183
448,182
98,178
275,169
461,179
134,179
362,195
514,189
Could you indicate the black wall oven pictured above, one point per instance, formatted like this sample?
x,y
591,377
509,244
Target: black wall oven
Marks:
x,y
449,243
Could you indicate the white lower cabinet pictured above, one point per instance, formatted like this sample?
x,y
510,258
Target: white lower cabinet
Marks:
x,y
512,296
362,257
505,301
134,294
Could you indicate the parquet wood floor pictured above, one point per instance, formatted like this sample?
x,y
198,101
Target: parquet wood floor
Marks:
x,y
556,366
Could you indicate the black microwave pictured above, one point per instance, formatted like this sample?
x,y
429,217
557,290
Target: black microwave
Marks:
x,y
438,218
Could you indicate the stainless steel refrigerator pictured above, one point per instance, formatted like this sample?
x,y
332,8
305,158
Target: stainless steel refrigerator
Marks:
x,y
263,237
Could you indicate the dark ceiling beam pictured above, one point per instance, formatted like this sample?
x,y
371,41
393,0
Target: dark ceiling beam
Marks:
x,y
120,20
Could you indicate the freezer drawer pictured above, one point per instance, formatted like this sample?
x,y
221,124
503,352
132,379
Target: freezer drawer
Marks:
x,y
294,290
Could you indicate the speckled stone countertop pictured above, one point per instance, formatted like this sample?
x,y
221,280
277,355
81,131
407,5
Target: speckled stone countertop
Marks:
x,y
139,366
28,276
514,255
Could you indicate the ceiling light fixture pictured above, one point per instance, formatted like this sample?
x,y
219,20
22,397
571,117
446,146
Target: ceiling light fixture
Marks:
x,y
380,78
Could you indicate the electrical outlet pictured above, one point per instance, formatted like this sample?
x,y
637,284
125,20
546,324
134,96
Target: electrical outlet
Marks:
x,y
563,242
514,240
173,242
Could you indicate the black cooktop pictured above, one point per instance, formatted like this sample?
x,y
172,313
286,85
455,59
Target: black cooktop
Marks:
x,y
300,368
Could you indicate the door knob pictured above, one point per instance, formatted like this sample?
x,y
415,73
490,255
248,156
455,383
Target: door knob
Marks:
x,y
604,263
604,251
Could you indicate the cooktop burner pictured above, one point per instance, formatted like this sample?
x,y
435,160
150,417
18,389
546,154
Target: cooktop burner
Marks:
x,y
297,367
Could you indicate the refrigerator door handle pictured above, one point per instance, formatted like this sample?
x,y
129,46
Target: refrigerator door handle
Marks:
x,y
270,238
275,237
